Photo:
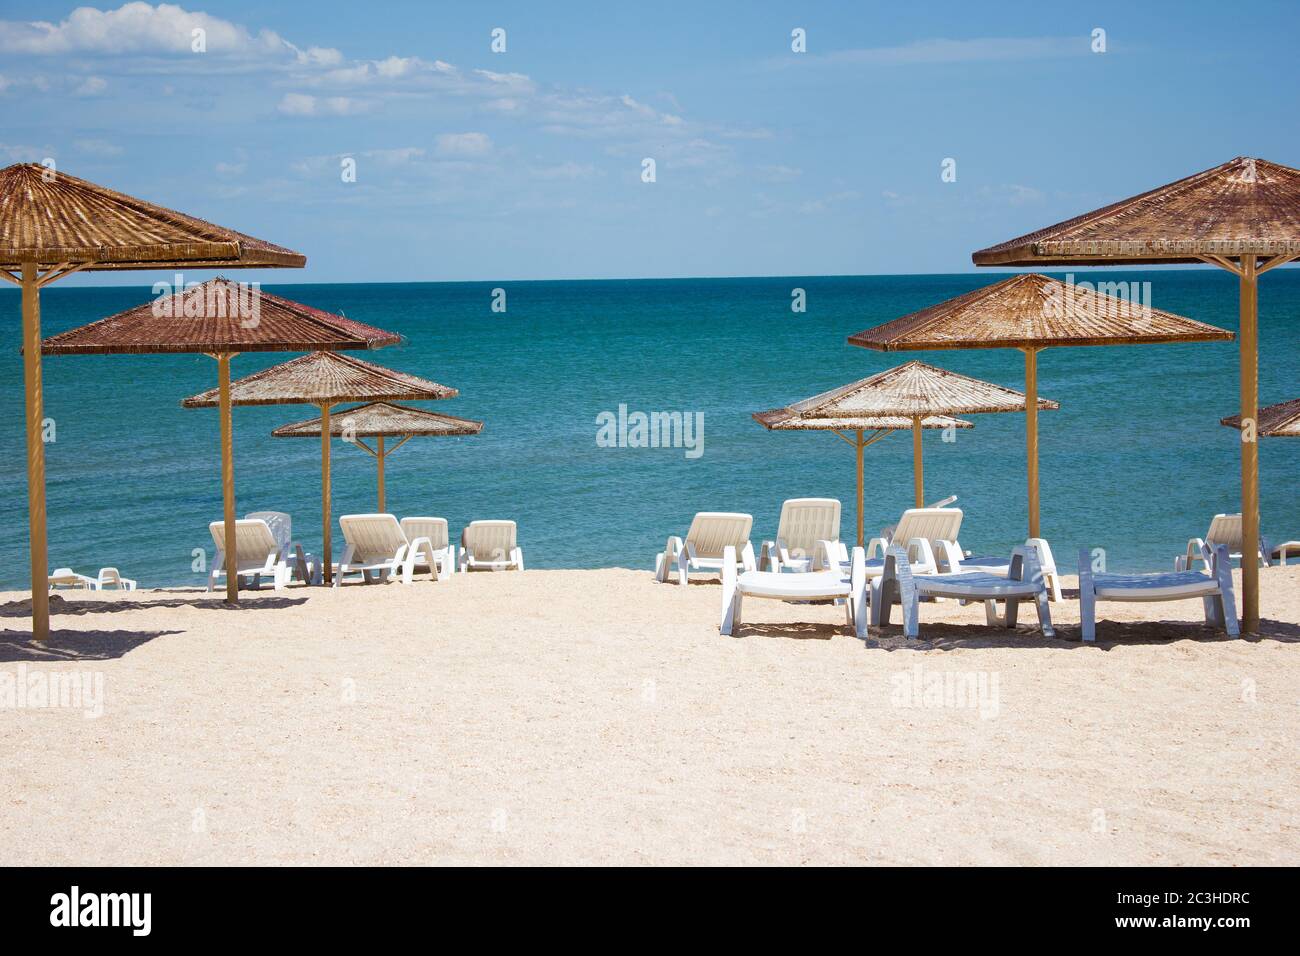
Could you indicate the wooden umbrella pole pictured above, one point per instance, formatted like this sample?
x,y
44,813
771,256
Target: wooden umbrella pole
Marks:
x,y
328,564
227,476
35,452
861,446
1248,339
379,459
918,474
1031,436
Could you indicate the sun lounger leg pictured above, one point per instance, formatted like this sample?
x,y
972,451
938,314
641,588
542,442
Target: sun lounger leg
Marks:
x,y
1044,615
991,615
1227,599
1087,598
730,593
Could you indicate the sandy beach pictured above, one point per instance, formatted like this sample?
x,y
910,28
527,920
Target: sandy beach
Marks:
x,y
566,717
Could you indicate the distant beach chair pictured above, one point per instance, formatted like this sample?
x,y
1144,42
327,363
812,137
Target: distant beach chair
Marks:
x,y
929,536
710,533
110,578
377,546
998,565
804,522
439,556
1226,530
304,565
1213,588
899,585
490,546
68,578
257,553
831,585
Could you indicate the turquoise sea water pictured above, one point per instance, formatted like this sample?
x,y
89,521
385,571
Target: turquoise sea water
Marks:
x,y
1134,461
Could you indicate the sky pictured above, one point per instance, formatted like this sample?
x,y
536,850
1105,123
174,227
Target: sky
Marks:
x,y
530,162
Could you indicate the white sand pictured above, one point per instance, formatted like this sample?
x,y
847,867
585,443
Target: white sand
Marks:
x,y
598,717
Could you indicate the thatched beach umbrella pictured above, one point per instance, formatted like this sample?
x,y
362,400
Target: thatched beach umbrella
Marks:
x,y
1275,421
380,421
219,318
1032,312
1247,210
915,396
52,225
325,379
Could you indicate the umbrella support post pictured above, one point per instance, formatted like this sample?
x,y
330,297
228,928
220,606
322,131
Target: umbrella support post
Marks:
x,y
918,475
35,451
1031,436
1249,359
327,563
379,463
228,476
861,446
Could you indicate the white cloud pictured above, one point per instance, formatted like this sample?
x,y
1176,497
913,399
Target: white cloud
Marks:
x,y
91,86
140,28
303,104
464,144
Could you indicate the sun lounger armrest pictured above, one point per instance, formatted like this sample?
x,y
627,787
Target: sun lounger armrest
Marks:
x,y
1197,550
747,557
927,553
828,552
882,543
951,555
769,559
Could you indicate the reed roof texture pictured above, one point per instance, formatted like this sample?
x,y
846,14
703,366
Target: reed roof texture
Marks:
x,y
1280,420
784,419
51,218
1033,311
1244,206
219,315
382,418
912,389
324,378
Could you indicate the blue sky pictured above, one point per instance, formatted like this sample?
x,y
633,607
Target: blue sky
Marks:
x,y
528,164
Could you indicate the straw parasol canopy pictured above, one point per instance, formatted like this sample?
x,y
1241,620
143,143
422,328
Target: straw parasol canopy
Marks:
x,y
52,225
381,421
325,379
1243,216
1276,421
220,318
1032,312
913,396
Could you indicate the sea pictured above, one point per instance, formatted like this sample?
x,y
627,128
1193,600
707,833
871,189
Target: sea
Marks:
x,y
1135,461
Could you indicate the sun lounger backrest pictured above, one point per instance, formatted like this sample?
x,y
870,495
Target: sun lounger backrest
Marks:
x,y
805,521
253,540
375,537
435,529
1226,530
489,540
932,524
281,526
712,531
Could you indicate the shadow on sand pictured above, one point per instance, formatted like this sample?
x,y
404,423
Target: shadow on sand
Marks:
x,y
61,605
73,646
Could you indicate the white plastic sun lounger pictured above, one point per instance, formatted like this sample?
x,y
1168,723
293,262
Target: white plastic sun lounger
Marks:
x,y
1213,588
1226,530
111,578
439,556
257,553
804,522
68,578
304,566
1023,582
1000,566
704,549
490,546
928,534
809,586
377,546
